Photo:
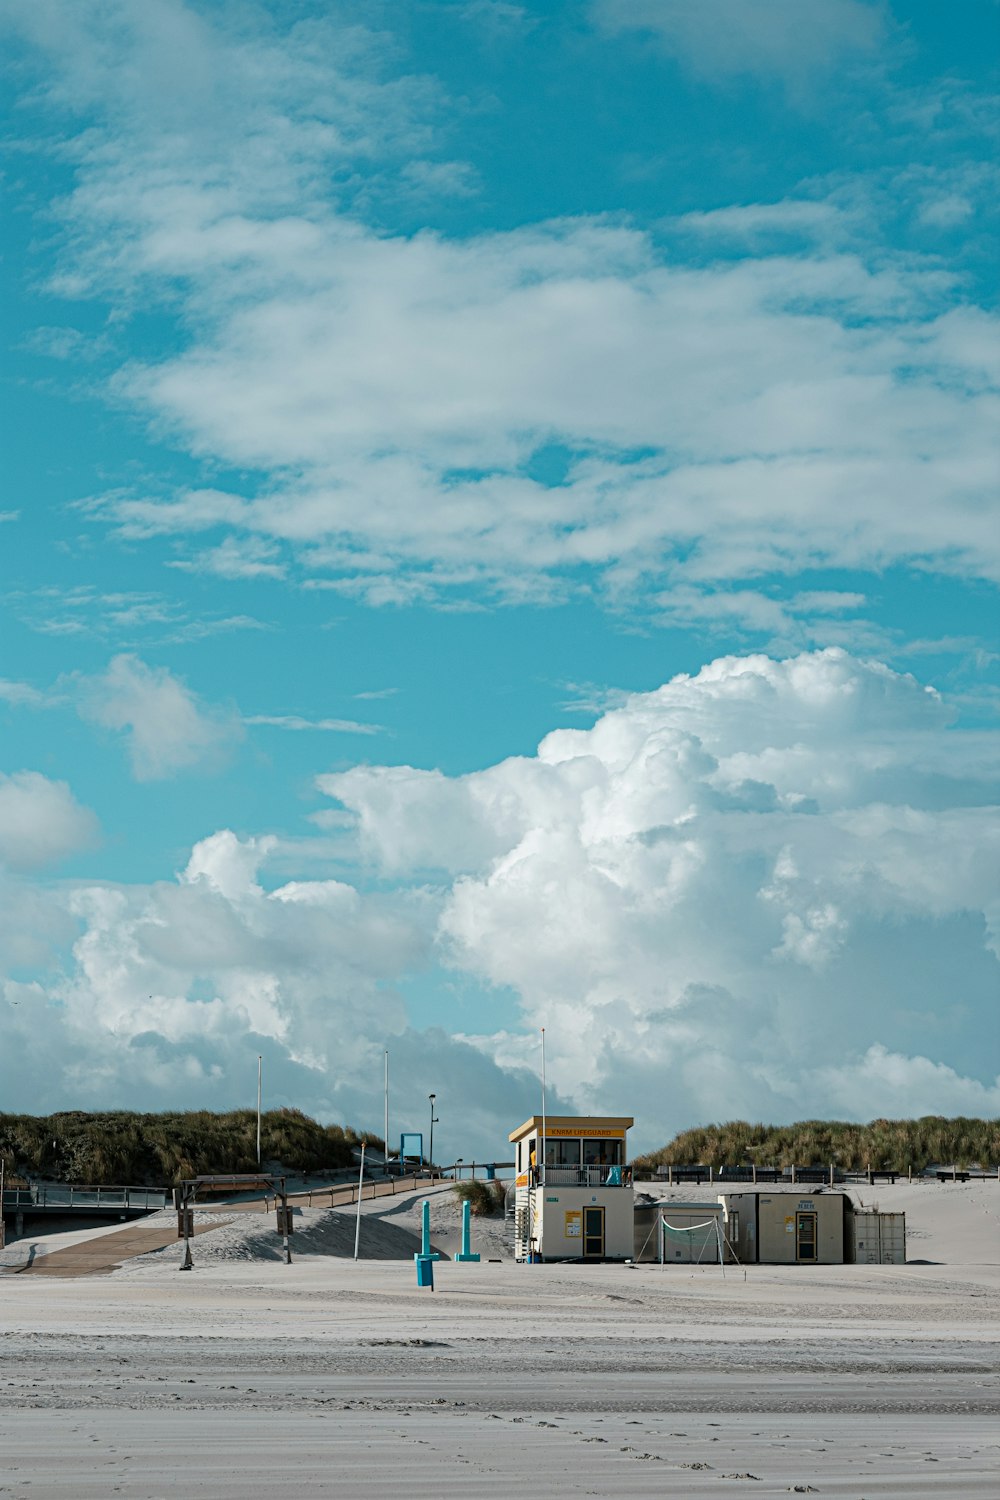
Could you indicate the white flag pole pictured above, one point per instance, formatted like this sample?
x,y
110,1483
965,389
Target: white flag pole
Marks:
x,y
543,1106
357,1222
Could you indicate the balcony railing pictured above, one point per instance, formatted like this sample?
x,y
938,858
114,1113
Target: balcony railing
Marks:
x,y
52,1197
591,1176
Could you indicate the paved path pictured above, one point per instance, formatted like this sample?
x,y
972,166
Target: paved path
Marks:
x,y
99,1257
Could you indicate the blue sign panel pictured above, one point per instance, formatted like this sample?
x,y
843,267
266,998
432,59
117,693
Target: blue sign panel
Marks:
x,y
411,1146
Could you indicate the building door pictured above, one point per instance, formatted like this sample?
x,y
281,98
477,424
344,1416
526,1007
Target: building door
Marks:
x,y
805,1237
593,1233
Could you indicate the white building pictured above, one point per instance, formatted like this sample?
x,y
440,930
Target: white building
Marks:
x,y
573,1198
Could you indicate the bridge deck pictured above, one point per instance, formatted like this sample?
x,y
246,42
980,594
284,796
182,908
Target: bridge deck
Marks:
x,y
59,1198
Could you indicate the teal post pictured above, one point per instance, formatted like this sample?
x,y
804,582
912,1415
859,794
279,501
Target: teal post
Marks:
x,y
425,1271
466,1251
425,1260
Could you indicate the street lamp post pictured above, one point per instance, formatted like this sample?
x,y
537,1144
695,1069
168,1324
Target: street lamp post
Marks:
x,y
434,1121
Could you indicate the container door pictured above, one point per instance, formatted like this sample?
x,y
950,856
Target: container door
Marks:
x,y
805,1237
892,1239
593,1233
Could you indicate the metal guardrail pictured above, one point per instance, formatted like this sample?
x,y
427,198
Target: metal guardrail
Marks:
x,y
589,1176
52,1197
823,1175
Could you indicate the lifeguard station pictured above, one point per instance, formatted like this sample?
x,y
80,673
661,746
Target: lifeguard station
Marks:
x,y
573,1188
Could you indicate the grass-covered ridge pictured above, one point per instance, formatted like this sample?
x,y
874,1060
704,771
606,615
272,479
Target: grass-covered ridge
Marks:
x,y
123,1147
483,1198
884,1144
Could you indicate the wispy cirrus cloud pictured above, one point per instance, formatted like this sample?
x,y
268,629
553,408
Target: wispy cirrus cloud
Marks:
x,y
324,726
243,557
125,618
793,41
22,694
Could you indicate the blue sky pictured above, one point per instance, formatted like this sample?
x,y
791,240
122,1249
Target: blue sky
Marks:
x,y
499,530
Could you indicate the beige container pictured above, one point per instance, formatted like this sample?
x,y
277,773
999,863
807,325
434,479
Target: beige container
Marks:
x,y
786,1228
875,1239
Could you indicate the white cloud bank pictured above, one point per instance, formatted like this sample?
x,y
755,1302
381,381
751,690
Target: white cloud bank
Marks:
x,y
759,891
768,890
398,398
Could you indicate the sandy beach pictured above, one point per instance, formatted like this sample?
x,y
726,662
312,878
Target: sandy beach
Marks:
x,y
245,1376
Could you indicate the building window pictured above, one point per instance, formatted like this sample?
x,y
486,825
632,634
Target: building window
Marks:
x,y
559,1153
599,1153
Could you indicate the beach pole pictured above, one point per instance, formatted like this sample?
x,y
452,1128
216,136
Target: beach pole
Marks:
x,y
286,1219
186,1264
543,1108
385,1145
425,1252
425,1260
466,1251
361,1178
260,1064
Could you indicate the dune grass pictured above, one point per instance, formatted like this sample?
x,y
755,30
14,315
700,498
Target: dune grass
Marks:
x,y
120,1146
891,1145
484,1198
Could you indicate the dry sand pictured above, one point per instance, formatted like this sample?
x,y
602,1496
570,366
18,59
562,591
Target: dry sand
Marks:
x,y
246,1377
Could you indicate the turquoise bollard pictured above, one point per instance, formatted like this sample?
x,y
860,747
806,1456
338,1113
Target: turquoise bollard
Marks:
x,y
425,1252
466,1251
425,1271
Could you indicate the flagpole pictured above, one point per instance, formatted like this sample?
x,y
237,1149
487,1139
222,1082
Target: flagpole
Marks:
x,y
361,1183
543,1106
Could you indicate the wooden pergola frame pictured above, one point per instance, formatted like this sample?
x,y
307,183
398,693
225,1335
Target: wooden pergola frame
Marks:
x,y
186,1193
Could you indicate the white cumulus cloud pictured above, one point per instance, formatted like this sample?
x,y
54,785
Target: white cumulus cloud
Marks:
x,y
727,892
41,822
167,727
765,889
